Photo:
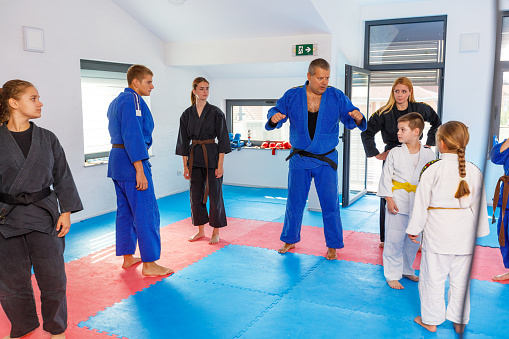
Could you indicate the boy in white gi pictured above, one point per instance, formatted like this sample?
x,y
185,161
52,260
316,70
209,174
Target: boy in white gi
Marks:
x,y
397,185
450,211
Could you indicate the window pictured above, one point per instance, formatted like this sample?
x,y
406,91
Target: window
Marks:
x,y
101,82
413,48
499,126
250,116
399,43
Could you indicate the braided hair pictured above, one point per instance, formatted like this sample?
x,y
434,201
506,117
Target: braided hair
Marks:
x,y
11,89
455,136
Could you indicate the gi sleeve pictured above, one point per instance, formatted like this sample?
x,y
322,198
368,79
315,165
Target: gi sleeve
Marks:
x,y
132,131
375,124
283,107
421,204
346,106
223,139
63,182
385,183
480,211
497,157
431,116
183,139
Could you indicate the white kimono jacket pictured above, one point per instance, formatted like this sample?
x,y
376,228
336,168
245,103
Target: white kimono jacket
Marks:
x,y
451,229
399,167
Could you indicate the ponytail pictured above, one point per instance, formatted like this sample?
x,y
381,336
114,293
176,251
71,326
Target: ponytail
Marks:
x,y
3,108
463,189
193,98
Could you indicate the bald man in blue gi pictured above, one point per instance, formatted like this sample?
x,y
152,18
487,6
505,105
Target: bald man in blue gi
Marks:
x,y
315,111
130,126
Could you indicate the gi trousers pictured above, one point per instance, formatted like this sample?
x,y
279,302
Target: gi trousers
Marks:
x,y
199,215
435,268
326,183
137,220
504,250
45,253
399,251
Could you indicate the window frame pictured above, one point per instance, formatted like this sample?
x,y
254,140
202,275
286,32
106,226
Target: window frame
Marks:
x,y
245,102
498,79
409,66
95,65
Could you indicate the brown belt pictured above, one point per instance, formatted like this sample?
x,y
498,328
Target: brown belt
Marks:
x,y
117,146
505,195
204,148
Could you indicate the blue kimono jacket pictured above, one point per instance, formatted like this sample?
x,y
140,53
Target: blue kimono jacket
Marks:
x,y
500,159
334,108
130,124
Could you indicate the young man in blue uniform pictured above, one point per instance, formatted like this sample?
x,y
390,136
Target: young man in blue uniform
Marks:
x,y
130,126
315,111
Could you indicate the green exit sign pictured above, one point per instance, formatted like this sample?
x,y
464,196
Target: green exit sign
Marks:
x,y
306,49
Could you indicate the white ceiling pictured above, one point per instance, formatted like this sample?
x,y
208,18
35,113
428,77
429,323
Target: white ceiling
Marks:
x,y
203,20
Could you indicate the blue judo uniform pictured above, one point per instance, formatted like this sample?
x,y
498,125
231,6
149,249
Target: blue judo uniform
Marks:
x,y
502,159
131,125
334,108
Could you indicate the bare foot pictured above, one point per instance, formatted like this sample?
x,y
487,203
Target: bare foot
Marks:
x,y
381,245
153,269
130,260
9,337
331,254
395,284
197,236
501,277
411,277
215,236
431,328
459,328
58,336
286,247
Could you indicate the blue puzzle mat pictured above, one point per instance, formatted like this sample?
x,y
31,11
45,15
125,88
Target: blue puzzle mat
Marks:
x,y
249,292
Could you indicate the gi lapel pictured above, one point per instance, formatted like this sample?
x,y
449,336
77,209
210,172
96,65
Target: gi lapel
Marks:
x,y
314,146
201,119
420,165
25,165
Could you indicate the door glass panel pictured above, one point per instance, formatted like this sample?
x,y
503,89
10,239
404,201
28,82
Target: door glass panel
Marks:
x,y
504,111
357,173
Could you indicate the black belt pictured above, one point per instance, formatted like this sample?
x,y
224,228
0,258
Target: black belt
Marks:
x,y
322,157
117,146
24,198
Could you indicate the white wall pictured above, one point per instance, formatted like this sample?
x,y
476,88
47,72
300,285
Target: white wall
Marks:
x,y
91,29
259,50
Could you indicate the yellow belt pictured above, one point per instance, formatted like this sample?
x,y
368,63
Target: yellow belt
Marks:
x,y
403,186
444,208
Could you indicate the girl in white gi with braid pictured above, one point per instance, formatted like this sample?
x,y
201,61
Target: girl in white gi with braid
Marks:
x,y
450,211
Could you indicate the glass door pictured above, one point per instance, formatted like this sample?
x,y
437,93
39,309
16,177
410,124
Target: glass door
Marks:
x,y
354,157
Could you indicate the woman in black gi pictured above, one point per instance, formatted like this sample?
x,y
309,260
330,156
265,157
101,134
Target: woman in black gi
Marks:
x,y
200,126
385,120
33,217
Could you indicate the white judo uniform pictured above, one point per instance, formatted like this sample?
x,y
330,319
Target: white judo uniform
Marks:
x,y
400,176
449,229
